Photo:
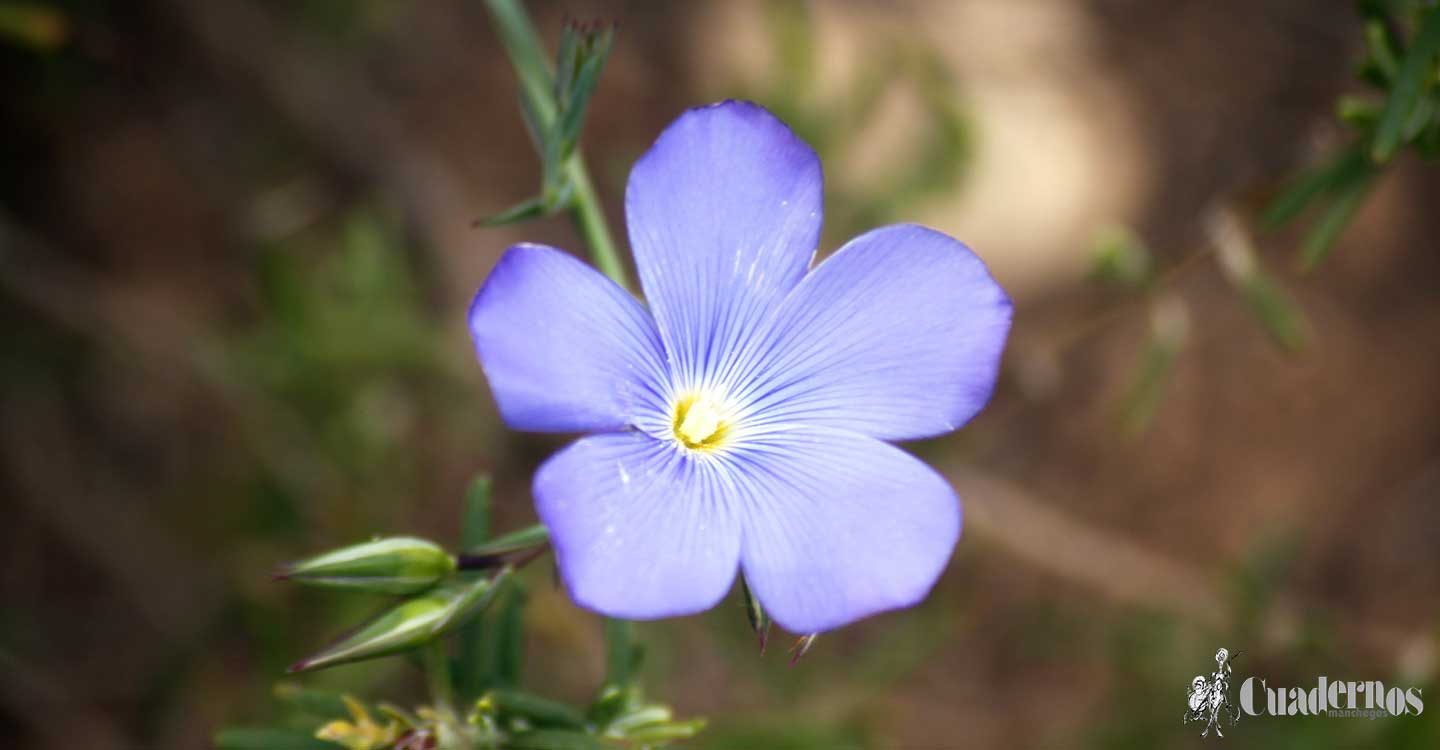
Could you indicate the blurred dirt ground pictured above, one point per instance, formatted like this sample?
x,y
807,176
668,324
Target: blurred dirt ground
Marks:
x,y
236,247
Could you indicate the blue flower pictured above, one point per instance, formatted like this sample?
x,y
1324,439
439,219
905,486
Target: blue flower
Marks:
x,y
740,422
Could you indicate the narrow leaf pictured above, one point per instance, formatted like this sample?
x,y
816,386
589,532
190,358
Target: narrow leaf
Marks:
x,y
1427,144
1346,167
501,548
475,525
538,710
1120,258
1279,316
1321,239
319,703
567,59
1168,330
666,732
1410,84
506,638
554,739
1359,113
1382,48
470,667
587,78
623,725
533,208
610,704
244,738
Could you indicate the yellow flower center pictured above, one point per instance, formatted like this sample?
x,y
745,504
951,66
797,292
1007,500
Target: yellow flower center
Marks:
x,y
699,423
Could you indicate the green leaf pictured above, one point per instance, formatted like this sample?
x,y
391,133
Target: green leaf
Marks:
x,y
619,651
1357,112
475,525
470,669
554,739
1414,77
584,48
1347,167
538,121
533,208
1120,258
537,710
572,112
567,59
1147,388
1277,313
1321,239
1421,117
552,163
325,704
1382,46
1427,144
666,731
612,702
244,738
623,725
505,639
498,550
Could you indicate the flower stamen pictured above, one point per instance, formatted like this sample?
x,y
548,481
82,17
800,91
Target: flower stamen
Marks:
x,y
699,423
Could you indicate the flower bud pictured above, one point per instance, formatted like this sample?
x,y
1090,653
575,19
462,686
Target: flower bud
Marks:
x,y
397,565
411,623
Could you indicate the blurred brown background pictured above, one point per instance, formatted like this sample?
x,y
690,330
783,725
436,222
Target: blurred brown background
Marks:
x,y
236,248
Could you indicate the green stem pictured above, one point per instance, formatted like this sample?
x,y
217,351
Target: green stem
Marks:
x,y
436,660
522,46
589,218
619,634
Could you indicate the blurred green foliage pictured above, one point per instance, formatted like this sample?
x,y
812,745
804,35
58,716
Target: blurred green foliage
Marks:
x,y
936,156
1402,63
336,377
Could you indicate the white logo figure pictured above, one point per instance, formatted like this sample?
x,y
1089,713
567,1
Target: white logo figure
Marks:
x,y
1209,699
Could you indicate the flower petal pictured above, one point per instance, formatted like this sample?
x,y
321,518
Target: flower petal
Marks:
x,y
839,526
897,336
564,348
724,216
641,529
